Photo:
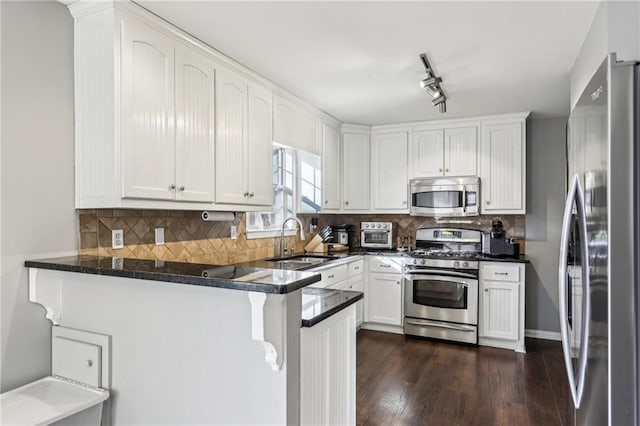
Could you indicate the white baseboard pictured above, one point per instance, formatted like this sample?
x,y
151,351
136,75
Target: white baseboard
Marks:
x,y
543,334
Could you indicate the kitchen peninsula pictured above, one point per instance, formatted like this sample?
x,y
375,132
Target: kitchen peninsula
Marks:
x,y
193,343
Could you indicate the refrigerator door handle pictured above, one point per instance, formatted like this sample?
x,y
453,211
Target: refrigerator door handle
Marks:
x,y
576,384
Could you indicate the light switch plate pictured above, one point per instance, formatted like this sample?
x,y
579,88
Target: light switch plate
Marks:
x,y
117,239
159,236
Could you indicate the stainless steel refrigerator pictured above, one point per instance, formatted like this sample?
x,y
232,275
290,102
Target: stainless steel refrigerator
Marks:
x,y
599,252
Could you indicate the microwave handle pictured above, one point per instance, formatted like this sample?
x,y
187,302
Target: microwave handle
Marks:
x,y
464,199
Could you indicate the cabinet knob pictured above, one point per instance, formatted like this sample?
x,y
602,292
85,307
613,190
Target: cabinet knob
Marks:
x,y
346,203
446,170
251,195
397,282
181,188
487,202
326,201
486,289
172,187
404,202
246,194
439,170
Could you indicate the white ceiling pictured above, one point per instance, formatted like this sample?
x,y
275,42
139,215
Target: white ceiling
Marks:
x,y
358,61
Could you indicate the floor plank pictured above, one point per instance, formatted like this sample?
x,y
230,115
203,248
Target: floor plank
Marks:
x,y
409,381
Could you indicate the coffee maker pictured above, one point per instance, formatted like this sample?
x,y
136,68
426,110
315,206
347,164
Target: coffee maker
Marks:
x,y
495,244
343,234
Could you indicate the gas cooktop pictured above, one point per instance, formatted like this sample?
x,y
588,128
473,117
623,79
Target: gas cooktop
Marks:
x,y
440,254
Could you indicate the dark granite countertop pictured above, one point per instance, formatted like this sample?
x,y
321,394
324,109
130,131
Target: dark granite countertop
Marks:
x,y
321,303
236,277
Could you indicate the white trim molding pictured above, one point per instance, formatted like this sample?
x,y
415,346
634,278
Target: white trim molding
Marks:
x,y
543,334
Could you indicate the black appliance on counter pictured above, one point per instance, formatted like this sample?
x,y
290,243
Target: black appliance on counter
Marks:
x,y
495,243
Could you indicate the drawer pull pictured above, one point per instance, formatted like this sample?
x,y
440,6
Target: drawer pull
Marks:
x,y
355,268
385,266
500,273
330,276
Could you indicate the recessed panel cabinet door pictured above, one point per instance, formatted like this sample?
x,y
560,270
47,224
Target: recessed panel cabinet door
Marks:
x,y
260,130
195,102
461,152
148,142
503,168
385,298
389,171
231,124
355,171
500,308
330,167
428,153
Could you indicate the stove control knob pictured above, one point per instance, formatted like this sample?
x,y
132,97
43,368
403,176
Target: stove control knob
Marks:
x,y
465,264
378,226
366,225
423,262
384,226
456,264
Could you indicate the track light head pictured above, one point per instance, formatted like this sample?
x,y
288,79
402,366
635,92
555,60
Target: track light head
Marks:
x,y
430,81
439,100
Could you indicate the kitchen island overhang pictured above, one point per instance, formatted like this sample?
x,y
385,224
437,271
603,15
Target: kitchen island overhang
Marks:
x,y
222,351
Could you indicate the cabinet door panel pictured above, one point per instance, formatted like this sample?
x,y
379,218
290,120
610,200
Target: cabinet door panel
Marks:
x,y
231,116
147,113
285,117
428,153
461,152
385,298
355,171
503,168
260,167
389,171
500,310
195,102
307,132
330,167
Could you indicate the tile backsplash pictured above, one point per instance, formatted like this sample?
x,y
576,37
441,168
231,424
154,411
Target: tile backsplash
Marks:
x,y
187,237
190,239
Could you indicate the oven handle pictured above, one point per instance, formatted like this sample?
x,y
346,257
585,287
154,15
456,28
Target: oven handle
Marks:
x,y
449,326
438,272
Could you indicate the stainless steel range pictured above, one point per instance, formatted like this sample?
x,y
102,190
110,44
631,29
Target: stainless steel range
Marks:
x,y
441,285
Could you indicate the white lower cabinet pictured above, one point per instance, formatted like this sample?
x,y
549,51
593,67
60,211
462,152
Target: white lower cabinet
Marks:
x,y
383,294
501,322
328,371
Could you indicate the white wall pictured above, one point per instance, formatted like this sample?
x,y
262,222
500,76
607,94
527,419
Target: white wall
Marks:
x,y
38,217
546,176
615,28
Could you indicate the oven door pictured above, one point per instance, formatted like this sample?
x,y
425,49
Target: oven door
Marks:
x,y
375,239
441,295
457,199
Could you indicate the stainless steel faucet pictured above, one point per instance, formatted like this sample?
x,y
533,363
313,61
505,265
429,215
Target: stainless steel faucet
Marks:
x,y
282,249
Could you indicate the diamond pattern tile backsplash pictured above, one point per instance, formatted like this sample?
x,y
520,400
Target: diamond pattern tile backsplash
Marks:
x,y
190,239
187,237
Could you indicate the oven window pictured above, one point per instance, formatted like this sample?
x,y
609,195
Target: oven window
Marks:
x,y
443,199
440,294
376,237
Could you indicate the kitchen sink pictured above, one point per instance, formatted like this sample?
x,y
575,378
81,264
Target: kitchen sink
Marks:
x,y
302,260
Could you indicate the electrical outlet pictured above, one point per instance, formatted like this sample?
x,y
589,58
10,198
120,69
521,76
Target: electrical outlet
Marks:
x,y
234,232
159,236
117,239
117,263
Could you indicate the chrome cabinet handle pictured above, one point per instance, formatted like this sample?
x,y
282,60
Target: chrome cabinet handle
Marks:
x,y
246,194
439,170
181,188
330,276
382,265
251,195
172,187
355,268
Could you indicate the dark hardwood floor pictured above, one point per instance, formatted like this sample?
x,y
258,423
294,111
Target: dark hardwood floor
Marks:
x,y
410,381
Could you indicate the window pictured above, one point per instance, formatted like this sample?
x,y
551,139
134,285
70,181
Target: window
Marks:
x,y
294,172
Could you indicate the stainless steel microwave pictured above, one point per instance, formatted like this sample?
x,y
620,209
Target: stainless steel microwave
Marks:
x,y
446,196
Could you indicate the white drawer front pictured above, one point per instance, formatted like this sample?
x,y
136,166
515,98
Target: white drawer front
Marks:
x,y
499,272
356,268
385,264
334,275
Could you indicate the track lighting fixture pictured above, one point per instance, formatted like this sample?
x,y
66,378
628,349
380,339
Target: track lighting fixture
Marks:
x,y
431,85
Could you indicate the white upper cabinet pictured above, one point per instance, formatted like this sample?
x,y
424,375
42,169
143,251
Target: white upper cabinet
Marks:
x,y
503,167
294,125
389,171
194,126
445,152
260,130
243,141
355,171
148,87
330,166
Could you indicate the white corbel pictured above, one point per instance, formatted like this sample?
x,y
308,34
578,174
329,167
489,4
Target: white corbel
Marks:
x,y
45,288
267,325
